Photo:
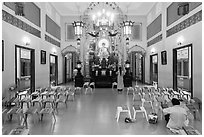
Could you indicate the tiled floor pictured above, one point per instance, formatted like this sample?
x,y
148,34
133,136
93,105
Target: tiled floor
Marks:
x,y
94,114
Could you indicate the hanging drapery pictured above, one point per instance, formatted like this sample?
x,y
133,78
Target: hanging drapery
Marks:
x,y
19,8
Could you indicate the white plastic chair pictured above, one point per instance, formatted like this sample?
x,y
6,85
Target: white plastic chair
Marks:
x,y
139,109
89,90
121,109
147,99
137,97
92,84
130,89
86,85
78,89
114,84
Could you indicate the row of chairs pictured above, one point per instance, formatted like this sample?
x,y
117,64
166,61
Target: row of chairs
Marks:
x,y
41,97
88,87
161,96
158,99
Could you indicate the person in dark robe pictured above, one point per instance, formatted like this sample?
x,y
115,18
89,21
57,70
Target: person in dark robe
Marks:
x,y
103,63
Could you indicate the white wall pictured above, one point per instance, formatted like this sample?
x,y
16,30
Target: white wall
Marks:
x,y
13,36
192,35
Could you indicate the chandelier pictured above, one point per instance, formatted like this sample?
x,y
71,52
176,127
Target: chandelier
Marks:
x,y
103,18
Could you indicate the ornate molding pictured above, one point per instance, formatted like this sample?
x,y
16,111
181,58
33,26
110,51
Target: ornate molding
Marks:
x,y
185,24
52,41
155,40
19,24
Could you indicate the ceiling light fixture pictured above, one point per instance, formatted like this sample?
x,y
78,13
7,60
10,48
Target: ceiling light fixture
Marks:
x,y
127,25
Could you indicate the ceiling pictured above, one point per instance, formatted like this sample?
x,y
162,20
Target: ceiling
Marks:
x,y
77,8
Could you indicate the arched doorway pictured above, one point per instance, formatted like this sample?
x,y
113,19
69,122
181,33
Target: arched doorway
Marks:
x,y
70,57
136,56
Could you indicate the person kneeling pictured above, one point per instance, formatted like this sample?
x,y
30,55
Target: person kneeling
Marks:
x,y
177,116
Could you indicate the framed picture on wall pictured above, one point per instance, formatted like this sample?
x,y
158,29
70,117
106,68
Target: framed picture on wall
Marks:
x,y
43,57
2,55
163,57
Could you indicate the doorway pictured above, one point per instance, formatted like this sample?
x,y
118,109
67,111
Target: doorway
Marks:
x,y
53,70
137,69
183,68
70,64
25,68
154,68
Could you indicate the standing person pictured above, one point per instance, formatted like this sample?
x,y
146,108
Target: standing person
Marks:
x,y
177,116
120,84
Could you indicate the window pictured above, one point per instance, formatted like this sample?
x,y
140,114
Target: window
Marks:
x,y
25,67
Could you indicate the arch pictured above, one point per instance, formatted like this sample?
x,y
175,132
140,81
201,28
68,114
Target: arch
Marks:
x,y
137,48
68,49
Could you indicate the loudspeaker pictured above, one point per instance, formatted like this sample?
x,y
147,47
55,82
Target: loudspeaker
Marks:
x,y
183,8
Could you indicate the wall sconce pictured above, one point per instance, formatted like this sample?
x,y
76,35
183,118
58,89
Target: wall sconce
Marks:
x,y
180,40
54,51
26,41
153,50
179,43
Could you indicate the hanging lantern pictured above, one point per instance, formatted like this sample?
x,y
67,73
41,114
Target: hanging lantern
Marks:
x,y
78,26
19,8
127,27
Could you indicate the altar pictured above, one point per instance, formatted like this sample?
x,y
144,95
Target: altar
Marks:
x,y
103,77
103,65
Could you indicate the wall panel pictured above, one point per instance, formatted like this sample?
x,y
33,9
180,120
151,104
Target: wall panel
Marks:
x,y
137,32
31,11
69,32
154,27
172,14
52,28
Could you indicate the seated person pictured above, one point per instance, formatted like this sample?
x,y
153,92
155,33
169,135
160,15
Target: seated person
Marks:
x,y
177,116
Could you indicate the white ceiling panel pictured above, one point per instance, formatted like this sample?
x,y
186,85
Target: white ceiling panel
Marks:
x,y
77,8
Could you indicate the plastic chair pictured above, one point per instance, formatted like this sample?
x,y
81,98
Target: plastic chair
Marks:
x,y
77,89
63,98
138,89
89,90
114,84
48,111
139,109
147,99
92,85
121,109
137,97
192,106
71,95
86,85
15,111
130,89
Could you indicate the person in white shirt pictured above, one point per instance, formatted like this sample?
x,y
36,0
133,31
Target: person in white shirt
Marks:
x,y
177,116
